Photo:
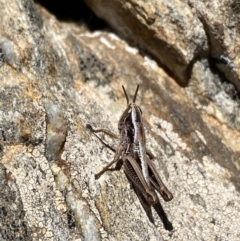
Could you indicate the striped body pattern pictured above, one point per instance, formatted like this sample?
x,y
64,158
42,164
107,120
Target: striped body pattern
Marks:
x,y
137,160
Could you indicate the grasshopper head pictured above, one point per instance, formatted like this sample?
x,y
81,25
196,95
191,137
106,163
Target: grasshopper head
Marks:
x,y
126,116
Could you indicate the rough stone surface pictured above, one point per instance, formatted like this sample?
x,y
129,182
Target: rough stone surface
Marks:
x,y
179,33
57,76
169,30
221,23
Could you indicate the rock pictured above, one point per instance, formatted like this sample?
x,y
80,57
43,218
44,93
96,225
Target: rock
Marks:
x,y
221,23
169,30
57,76
179,33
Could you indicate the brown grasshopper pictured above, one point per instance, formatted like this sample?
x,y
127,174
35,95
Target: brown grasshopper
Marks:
x,y
137,160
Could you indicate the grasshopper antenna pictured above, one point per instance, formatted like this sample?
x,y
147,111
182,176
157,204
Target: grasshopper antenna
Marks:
x,y
125,94
135,95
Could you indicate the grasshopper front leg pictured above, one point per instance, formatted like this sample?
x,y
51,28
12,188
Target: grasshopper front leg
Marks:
x,y
115,159
105,131
118,152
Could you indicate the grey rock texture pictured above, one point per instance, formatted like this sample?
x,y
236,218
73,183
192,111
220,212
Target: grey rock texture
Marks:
x,y
57,76
168,30
179,33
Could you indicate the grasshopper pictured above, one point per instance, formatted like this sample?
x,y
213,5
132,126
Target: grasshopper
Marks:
x,y
137,160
